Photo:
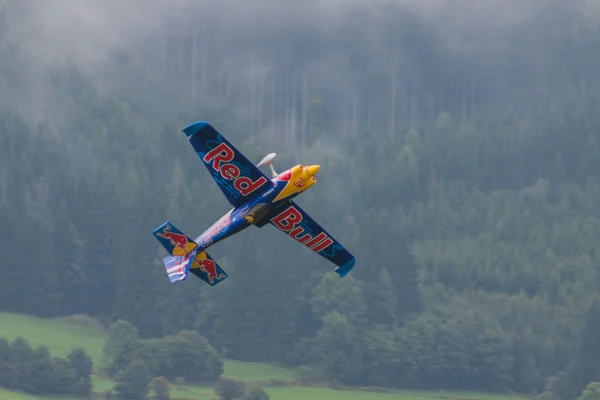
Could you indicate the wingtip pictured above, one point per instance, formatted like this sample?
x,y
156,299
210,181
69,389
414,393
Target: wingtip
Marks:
x,y
346,268
194,128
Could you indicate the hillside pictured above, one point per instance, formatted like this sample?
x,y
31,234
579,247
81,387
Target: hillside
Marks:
x,y
61,336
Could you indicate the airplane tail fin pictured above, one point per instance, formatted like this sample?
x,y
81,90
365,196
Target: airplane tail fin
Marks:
x,y
186,256
173,240
200,264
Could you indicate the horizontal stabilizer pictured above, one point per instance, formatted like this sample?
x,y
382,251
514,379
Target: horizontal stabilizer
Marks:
x,y
205,268
200,264
173,240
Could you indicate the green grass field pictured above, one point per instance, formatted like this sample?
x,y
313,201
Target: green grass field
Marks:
x,y
248,371
61,337
6,395
283,393
58,336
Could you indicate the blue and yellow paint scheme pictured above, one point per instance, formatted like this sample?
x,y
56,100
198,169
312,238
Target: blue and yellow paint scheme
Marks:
x,y
256,200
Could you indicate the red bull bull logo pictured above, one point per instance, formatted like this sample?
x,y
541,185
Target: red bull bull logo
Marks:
x,y
221,156
176,239
209,267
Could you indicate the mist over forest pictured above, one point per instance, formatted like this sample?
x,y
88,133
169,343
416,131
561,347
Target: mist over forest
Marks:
x,y
459,152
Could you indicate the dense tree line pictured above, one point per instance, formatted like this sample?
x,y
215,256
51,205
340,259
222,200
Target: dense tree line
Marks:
x,y
186,355
475,223
35,371
230,389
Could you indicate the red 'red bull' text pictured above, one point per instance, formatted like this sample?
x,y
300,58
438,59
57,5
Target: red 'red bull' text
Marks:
x,y
219,227
288,220
221,155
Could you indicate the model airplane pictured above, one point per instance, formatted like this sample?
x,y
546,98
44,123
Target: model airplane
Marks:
x,y
256,200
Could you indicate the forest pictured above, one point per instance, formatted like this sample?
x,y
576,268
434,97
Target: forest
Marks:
x,y
36,371
459,152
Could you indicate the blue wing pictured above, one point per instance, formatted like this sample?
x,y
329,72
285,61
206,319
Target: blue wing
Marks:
x,y
295,222
239,179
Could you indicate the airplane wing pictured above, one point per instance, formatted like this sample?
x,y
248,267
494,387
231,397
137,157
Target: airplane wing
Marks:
x,y
239,179
295,222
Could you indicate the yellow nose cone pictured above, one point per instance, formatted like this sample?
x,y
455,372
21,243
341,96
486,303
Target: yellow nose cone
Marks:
x,y
313,169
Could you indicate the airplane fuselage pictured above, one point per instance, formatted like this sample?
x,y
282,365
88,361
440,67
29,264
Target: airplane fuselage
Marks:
x,y
286,186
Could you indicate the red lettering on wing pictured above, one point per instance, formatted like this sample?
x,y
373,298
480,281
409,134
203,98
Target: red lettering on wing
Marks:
x,y
324,244
295,233
229,171
288,221
221,153
321,236
246,186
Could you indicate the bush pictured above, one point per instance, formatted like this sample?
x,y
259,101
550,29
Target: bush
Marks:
x,y
160,386
188,355
230,389
256,394
132,383
194,360
121,346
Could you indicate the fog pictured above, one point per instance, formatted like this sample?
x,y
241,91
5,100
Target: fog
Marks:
x,y
278,65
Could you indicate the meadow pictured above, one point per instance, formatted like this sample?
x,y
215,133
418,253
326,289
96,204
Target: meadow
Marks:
x,y
60,337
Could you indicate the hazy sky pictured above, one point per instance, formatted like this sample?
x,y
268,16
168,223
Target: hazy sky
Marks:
x,y
84,30
51,34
